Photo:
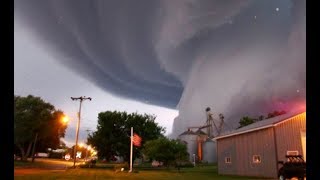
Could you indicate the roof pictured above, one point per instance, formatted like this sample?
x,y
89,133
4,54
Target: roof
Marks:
x,y
200,132
267,123
188,132
210,140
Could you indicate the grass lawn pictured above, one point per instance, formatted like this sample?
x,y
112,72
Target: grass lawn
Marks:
x,y
198,173
28,164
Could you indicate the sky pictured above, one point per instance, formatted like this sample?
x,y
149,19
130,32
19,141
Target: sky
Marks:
x,y
171,58
37,73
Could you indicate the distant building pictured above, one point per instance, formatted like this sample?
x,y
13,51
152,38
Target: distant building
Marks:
x,y
200,145
190,138
255,150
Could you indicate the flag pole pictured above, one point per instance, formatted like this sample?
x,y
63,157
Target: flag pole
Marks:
x,y
131,138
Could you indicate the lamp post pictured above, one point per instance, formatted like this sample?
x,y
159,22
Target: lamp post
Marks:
x,y
78,126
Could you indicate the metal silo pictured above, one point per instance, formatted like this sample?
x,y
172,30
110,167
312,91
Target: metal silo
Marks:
x,y
209,151
202,137
190,138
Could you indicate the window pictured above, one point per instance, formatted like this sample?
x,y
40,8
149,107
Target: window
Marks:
x,y
227,159
292,152
256,159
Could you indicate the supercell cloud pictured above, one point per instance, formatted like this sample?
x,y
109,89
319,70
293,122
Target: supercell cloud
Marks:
x,y
240,57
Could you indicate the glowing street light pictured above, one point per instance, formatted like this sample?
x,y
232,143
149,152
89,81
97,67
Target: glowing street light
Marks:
x,y
65,119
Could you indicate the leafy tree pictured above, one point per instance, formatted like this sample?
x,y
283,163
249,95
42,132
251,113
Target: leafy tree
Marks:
x,y
167,151
275,113
245,121
35,117
112,137
260,118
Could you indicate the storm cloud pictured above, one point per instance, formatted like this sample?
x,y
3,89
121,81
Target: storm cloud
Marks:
x,y
239,57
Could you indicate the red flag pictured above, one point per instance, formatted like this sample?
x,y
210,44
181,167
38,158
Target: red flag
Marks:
x,y
136,140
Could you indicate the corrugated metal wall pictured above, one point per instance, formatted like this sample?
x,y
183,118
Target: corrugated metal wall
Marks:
x,y
241,149
191,141
288,135
209,151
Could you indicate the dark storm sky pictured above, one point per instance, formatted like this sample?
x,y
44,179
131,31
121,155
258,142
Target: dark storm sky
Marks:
x,y
237,56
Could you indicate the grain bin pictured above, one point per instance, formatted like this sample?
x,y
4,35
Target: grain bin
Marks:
x,y
209,151
190,138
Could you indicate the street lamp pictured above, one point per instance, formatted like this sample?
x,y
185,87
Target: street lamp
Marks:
x,y
194,159
64,120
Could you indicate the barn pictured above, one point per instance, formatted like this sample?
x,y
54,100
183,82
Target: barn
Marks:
x,y
254,150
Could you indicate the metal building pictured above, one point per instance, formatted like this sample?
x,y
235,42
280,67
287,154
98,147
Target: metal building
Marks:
x,y
254,150
209,151
191,140
202,137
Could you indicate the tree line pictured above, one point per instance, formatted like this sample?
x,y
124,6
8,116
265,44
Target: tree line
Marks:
x,y
36,119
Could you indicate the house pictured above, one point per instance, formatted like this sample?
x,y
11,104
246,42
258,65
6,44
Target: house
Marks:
x,y
255,150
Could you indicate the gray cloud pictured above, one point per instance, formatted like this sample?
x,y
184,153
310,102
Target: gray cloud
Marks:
x,y
238,56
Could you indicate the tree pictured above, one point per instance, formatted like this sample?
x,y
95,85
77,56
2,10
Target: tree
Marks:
x,y
34,117
245,121
261,117
275,113
112,137
167,151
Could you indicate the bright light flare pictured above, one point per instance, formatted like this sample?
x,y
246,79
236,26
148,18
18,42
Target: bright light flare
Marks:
x,y
65,119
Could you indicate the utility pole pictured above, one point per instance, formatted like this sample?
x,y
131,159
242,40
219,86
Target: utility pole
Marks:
x,y
78,126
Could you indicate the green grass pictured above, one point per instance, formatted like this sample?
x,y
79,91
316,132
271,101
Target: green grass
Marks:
x,y
198,173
